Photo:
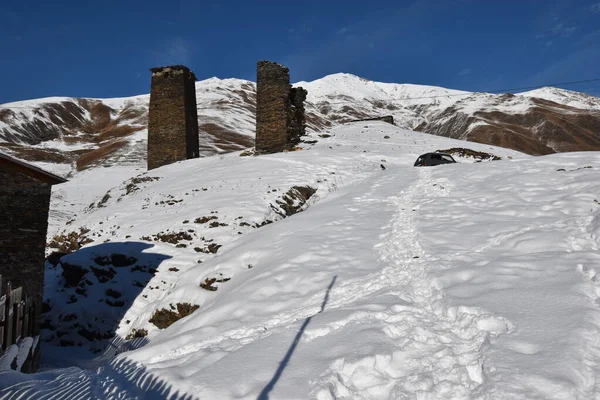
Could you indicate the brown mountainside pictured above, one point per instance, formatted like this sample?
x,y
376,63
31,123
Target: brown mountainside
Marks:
x,y
75,134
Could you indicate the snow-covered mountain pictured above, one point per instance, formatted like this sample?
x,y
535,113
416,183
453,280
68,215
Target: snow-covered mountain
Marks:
x,y
66,134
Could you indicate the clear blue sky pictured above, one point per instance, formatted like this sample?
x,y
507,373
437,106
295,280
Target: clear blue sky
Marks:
x,y
105,48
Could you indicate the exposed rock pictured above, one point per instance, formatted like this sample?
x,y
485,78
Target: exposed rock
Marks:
x,y
477,155
117,260
294,200
73,274
164,318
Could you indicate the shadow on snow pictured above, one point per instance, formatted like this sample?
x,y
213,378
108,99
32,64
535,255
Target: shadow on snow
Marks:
x,y
87,294
264,394
119,379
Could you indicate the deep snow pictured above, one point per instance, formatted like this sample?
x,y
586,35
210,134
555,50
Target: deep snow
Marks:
x,y
464,281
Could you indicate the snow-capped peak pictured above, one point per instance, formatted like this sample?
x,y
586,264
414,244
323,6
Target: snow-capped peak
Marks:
x,y
564,96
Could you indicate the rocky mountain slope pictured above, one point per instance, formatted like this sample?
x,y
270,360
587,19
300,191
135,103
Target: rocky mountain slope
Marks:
x,y
68,134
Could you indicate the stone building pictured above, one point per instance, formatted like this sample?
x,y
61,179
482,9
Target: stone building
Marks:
x,y
280,120
172,116
24,204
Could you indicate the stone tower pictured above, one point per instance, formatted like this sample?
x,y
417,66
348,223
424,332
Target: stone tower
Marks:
x,y
280,118
172,117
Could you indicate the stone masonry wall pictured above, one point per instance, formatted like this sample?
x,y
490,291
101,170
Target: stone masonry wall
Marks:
x,y
297,121
24,204
280,120
172,116
272,91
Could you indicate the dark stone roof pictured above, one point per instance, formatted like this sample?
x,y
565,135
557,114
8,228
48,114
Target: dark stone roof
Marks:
x,y
8,163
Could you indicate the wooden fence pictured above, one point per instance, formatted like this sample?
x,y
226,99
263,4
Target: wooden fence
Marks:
x,y
17,315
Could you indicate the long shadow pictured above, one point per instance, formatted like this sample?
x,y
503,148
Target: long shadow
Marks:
x,y
264,394
87,294
119,379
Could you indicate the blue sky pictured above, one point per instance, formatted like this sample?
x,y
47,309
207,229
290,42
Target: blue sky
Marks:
x,y
105,48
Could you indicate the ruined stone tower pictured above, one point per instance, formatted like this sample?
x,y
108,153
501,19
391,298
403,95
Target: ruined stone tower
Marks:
x,y
172,117
280,118
297,122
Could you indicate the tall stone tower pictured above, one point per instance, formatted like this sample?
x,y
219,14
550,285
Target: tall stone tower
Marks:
x,y
279,109
172,117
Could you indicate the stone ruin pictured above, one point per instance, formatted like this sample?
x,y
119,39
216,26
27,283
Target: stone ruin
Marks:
x,y
386,118
280,120
172,116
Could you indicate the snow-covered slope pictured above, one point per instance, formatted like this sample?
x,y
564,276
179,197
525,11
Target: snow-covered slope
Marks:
x,y
463,281
565,97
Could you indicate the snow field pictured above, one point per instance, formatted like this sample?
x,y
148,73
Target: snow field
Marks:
x,y
515,241
464,281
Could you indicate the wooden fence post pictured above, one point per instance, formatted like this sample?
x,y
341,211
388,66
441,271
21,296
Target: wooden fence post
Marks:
x,y
8,317
17,315
17,307
2,317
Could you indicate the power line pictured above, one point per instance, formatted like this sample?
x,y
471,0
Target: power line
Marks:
x,y
390,100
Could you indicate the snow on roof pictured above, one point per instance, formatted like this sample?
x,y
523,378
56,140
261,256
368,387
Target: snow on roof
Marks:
x,y
30,170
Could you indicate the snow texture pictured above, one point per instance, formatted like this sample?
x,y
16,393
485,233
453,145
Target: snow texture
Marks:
x,y
463,281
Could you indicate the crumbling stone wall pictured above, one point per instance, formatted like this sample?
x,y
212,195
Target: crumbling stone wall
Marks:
x,y
172,116
387,118
24,204
297,120
280,120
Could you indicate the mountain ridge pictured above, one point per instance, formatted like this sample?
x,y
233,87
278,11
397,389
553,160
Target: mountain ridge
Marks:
x,y
69,134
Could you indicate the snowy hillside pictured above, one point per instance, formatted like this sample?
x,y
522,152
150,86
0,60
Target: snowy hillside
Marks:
x,y
67,135
335,272
565,97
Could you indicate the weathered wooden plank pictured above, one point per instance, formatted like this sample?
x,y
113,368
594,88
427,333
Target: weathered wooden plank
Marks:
x,y
2,320
8,316
17,295
25,323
